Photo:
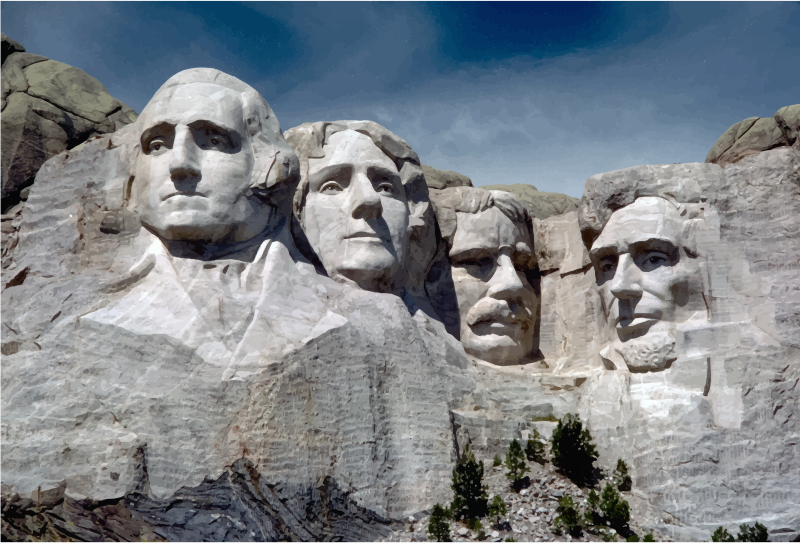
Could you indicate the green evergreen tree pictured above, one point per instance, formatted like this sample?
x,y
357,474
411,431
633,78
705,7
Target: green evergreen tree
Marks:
x,y
469,493
438,527
592,515
573,450
515,464
722,535
615,510
534,449
648,539
568,519
497,509
497,461
621,476
757,532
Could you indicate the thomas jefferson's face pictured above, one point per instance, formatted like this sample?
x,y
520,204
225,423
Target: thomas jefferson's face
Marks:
x,y
496,303
356,214
194,173
642,272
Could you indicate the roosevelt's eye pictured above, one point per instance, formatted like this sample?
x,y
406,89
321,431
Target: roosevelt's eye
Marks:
x,y
330,187
653,260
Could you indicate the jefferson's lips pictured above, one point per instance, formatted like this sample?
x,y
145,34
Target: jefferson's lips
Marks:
x,y
182,193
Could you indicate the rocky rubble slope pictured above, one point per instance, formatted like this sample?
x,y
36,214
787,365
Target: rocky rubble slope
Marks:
x,y
48,107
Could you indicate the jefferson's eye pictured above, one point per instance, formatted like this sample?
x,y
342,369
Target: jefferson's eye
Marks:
x,y
330,187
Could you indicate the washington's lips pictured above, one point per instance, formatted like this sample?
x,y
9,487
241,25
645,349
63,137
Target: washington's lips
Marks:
x,y
182,193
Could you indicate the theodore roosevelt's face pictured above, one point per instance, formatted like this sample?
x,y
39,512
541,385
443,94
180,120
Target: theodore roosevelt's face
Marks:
x,y
642,272
195,168
497,304
356,214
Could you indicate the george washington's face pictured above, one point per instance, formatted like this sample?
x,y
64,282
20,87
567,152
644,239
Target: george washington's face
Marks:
x,y
195,169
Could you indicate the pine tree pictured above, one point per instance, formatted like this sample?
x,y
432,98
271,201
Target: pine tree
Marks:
x,y
497,509
616,510
438,527
515,464
757,532
469,493
621,476
534,449
722,535
573,450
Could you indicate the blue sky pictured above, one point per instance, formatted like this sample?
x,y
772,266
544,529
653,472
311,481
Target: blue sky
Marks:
x,y
541,93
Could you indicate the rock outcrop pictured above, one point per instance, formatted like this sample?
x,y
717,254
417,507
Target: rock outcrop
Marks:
x,y
754,135
47,107
441,179
156,388
540,204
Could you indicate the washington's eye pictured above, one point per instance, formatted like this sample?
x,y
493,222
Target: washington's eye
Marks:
x,y
330,187
157,145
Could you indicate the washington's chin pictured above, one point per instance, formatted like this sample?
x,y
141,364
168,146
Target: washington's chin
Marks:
x,y
497,348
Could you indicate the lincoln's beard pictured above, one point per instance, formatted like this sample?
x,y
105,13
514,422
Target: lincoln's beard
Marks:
x,y
652,352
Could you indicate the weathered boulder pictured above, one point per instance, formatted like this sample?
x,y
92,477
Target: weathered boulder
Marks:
x,y
440,179
48,107
754,135
540,204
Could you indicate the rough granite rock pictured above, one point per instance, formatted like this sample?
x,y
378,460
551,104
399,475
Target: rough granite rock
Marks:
x,y
754,135
540,204
440,179
47,107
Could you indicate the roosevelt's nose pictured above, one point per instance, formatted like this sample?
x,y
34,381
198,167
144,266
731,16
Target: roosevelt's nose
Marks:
x,y
184,160
627,281
365,203
505,282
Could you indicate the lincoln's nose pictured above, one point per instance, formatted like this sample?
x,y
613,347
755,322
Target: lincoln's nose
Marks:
x,y
627,281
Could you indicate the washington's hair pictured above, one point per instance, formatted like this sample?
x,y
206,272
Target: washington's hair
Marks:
x,y
276,168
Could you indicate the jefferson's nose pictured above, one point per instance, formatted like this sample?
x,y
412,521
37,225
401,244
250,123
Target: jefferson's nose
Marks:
x,y
365,203
505,282
183,162
627,281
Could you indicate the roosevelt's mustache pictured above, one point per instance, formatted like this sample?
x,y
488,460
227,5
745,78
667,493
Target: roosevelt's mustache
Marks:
x,y
491,309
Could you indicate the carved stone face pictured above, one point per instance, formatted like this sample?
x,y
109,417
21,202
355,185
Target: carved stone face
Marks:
x,y
356,214
195,168
643,270
496,302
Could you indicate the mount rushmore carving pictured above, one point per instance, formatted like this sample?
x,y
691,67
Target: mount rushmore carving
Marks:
x,y
294,328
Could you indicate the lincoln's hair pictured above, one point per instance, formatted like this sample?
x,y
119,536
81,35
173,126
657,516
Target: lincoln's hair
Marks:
x,y
609,192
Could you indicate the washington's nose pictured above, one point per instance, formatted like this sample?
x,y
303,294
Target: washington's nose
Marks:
x,y
627,281
365,203
505,282
183,162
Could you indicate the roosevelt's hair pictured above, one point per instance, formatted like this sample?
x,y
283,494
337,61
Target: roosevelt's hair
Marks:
x,y
276,168
447,202
603,194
